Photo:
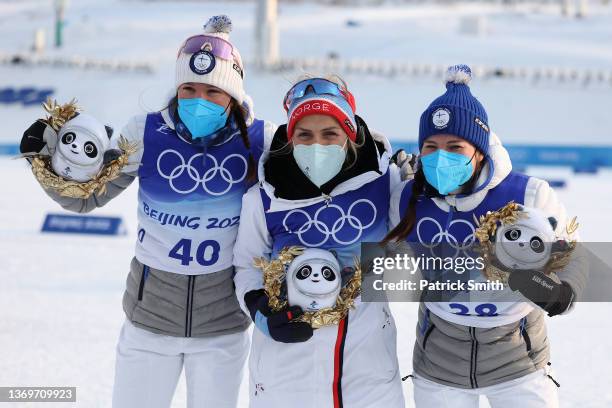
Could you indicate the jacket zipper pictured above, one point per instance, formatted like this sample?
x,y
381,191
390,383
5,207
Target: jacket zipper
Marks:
x,y
189,308
143,278
473,358
327,199
445,248
451,211
523,329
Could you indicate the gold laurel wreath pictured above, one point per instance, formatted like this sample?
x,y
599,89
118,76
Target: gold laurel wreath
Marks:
x,y
41,164
58,114
507,215
274,273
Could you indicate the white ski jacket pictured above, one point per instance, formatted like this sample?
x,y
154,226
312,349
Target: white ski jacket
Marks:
x,y
353,364
456,345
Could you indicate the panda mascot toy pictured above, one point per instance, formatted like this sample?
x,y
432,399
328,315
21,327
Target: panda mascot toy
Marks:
x,y
527,243
70,152
313,280
80,147
519,238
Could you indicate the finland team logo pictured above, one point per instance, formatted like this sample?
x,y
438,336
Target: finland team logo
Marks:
x,y
202,62
215,178
431,235
331,221
441,118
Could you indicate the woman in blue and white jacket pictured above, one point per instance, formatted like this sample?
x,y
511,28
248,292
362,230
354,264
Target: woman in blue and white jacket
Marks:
x,y
464,350
194,162
325,184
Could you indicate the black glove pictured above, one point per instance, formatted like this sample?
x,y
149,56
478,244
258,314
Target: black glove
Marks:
x,y
33,139
276,325
542,290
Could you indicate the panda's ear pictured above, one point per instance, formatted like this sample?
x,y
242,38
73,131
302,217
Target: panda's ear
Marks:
x,y
109,131
553,222
334,253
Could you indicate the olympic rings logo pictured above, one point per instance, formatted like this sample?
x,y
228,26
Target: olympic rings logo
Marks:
x,y
445,235
213,173
344,222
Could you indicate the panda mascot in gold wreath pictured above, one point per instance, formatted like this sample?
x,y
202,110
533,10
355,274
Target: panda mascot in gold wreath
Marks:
x,y
310,278
313,280
520,246
70,151
80,147
528,243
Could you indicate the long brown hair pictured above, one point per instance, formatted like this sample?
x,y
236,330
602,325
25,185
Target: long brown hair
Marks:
x,y
237,113
403,229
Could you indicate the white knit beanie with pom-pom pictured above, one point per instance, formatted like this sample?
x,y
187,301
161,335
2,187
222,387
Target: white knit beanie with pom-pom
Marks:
x,y
225,74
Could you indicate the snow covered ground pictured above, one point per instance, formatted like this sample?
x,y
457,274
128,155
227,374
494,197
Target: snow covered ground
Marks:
x,y
60,296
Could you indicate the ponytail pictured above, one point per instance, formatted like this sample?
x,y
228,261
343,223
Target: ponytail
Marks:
x,y
403,229
237,114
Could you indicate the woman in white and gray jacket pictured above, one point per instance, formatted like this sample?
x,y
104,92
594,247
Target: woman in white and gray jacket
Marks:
x,y
465,349
326,184
195,160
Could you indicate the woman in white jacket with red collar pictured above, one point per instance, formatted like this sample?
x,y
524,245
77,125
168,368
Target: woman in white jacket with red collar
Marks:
x,y
325,184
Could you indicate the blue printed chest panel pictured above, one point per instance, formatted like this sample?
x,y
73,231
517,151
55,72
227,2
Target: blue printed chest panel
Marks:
x,y
435,226
190,200
173,170
340,224
441,234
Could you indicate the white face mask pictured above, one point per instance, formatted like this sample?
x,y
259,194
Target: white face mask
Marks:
x,y
320,163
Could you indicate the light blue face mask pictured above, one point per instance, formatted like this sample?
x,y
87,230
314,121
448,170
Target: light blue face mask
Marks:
x,y
320,163
201,117
446,171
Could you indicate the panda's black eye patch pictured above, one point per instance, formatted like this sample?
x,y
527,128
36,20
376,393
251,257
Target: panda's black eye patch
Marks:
x,y
68,138
328,273
90,149
303,272
513,234
537,245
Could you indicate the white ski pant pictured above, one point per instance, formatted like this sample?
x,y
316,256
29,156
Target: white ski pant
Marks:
x,y
148,367
534,390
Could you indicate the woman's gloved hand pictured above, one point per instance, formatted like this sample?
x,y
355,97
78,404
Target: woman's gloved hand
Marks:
x,y
280,326
36,137
542,290
407,164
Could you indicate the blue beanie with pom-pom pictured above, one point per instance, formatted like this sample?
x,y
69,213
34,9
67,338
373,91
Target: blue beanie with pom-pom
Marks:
x,y
457,112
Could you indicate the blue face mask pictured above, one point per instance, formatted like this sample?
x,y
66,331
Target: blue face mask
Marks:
x,y
201,117
446,171
320,163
